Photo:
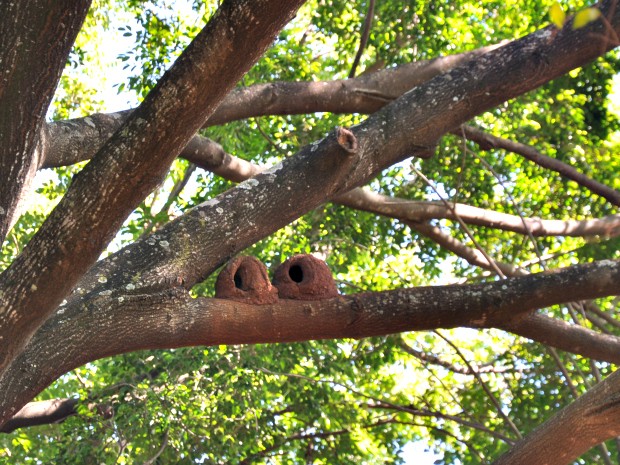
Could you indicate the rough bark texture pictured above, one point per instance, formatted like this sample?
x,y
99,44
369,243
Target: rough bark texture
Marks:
x,y
35,39
272,199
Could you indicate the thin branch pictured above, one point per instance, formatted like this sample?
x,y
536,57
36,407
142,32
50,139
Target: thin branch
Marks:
x,y
603,315
487,141
429,358
444,416
567,377
516,207
303,436
174,193
473,256
160,451
385,404
364,37
490,395
467,231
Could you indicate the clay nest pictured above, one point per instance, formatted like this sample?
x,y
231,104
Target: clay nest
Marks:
x,y
304,277
245,279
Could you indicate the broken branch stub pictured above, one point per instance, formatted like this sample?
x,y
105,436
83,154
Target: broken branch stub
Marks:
x,y
347,140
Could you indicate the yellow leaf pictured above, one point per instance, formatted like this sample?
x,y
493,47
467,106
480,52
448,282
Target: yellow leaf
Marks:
x,y
557,15
585,16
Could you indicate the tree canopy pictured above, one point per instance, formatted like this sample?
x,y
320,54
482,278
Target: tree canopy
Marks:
x,y
453,163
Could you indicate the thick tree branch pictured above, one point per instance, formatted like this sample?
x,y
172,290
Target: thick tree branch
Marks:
x,y
41,413
400,129
131,164
35,39
335,96
127,322
573,430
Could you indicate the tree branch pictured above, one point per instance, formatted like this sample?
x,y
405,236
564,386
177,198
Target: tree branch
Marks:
x,y
433,359
41,413
79,139
573,430
564,336
364,37
416,211
487,141
316,173
35,39
472,256
211,156
193,246
131,164
127,322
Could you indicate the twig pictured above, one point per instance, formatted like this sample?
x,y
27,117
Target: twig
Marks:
x,y
486,389
160,451
364,38
467,231
486,141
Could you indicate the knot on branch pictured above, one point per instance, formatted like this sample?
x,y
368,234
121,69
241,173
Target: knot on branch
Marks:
x,y
304,277
245,279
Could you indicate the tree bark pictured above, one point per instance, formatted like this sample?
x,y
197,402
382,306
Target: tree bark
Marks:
x,y
41,413
79,139
35,39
